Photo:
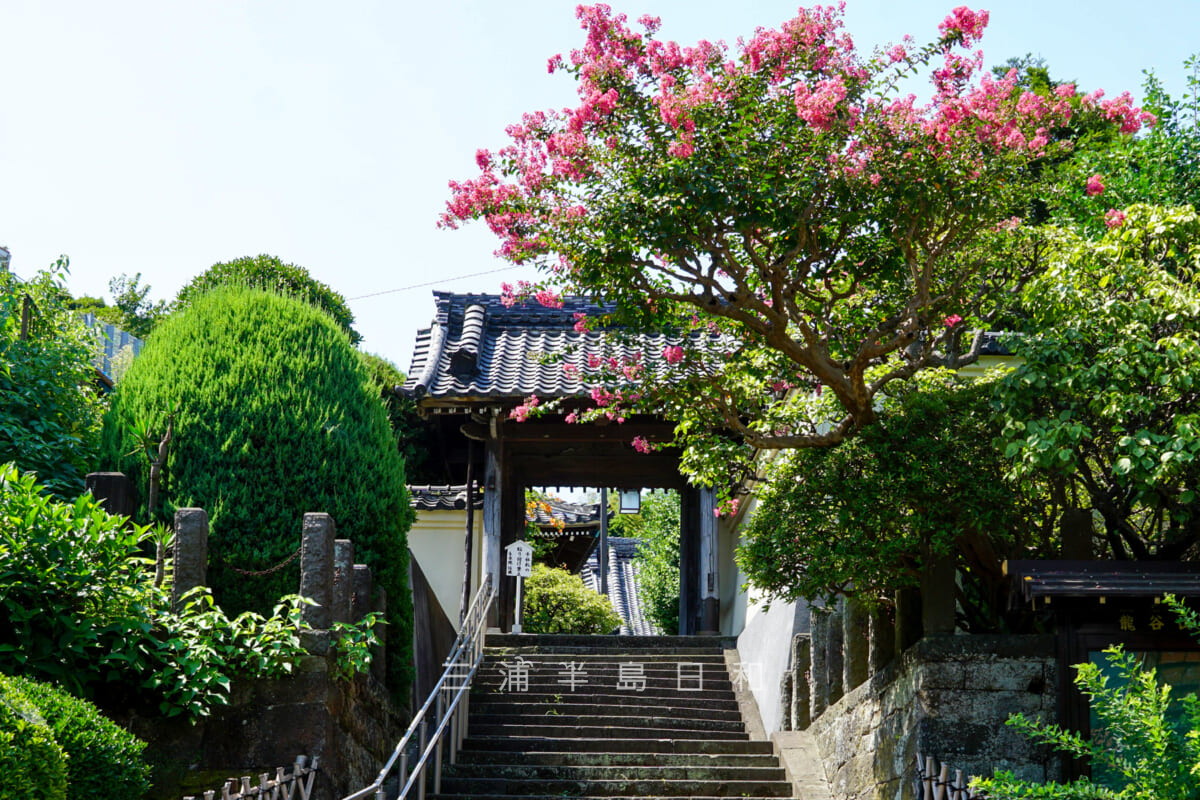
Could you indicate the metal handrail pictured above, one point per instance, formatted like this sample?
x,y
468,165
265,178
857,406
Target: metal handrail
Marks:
x,y
449,701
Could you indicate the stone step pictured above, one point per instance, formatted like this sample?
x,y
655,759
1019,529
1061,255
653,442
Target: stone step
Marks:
x,y
552,743
580,642
444,796
607,759
590,707
612,773
495,655
637,700
615,788
542,730
688,682
579,722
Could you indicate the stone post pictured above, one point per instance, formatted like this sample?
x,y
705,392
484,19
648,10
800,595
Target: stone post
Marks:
x,y
938,595
883,639
836,657
113,490
316,570
801,658
360,599
343,579
191,553
379,657
786,701
908,619
819,664
856,624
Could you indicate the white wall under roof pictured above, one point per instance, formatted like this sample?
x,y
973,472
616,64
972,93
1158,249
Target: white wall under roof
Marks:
x,y
436,542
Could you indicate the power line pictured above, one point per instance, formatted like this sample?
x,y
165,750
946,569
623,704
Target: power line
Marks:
x,y
433,283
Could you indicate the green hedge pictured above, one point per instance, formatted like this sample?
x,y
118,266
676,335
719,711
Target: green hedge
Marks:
x,y
556,601
103,759
275,416
32,765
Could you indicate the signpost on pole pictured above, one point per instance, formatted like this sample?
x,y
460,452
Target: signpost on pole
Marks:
x,y
519,565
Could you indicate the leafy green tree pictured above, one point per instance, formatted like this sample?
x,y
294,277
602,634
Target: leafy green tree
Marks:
x,y
272,274
50,414
131,311
275,415
925,481
1106,401
32,763
556,601
783,214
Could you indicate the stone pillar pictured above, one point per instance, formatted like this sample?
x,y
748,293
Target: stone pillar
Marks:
x,y
938,595
710,603
819,664
856,624
113,490
379,656
786,701
801,658
836,656
360,598
908,619
191,553
343,579
883,639
316,569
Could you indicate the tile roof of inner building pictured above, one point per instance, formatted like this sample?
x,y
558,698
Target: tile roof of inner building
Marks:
x,y
575,516
477,348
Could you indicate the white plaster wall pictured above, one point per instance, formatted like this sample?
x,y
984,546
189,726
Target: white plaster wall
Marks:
x,y
764,647
436,542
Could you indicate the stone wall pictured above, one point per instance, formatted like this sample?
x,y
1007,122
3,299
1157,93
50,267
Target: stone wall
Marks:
x,y
948,697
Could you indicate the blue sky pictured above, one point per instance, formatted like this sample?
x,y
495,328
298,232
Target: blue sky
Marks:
x,y
162,137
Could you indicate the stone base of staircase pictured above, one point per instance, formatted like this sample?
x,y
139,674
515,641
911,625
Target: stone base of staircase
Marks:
x,y
612,716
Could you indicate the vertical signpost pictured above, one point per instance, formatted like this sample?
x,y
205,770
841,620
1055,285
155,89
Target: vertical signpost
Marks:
x,y
519,565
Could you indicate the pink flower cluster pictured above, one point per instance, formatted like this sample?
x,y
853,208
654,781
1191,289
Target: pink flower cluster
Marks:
x,y
522,412
581,323
728,508
952,320
1094,186
818,106
642,445
964,23
672,354
1121,108
1114,218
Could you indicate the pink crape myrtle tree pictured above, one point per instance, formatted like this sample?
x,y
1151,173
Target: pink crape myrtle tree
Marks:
x,y
782,209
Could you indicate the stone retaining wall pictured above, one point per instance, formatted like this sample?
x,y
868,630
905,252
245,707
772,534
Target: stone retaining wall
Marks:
x,y
948,697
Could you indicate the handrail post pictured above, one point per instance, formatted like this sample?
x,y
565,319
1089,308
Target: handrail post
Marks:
x,y
437,748
422,767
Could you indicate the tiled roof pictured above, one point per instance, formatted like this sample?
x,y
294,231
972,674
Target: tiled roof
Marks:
x,y
573,515
442,498
623,584
477,348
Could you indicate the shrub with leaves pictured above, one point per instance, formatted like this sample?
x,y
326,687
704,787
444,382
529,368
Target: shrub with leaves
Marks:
x,y
1151,741
103,759
275,415
272,274
556,601
32,765
78,607
656,525
50,417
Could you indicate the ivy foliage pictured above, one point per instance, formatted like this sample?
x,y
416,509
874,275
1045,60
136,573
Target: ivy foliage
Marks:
x,y
1106,401
272,274
926,481
103,759
556,601
79,608
1151,742
50,417
275,415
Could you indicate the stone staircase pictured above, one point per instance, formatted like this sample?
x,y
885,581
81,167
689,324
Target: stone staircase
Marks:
x,y
608,716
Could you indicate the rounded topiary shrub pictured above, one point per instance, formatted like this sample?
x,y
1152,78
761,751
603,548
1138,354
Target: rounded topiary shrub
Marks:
x,y
556,601
103,759
274,415
32,765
